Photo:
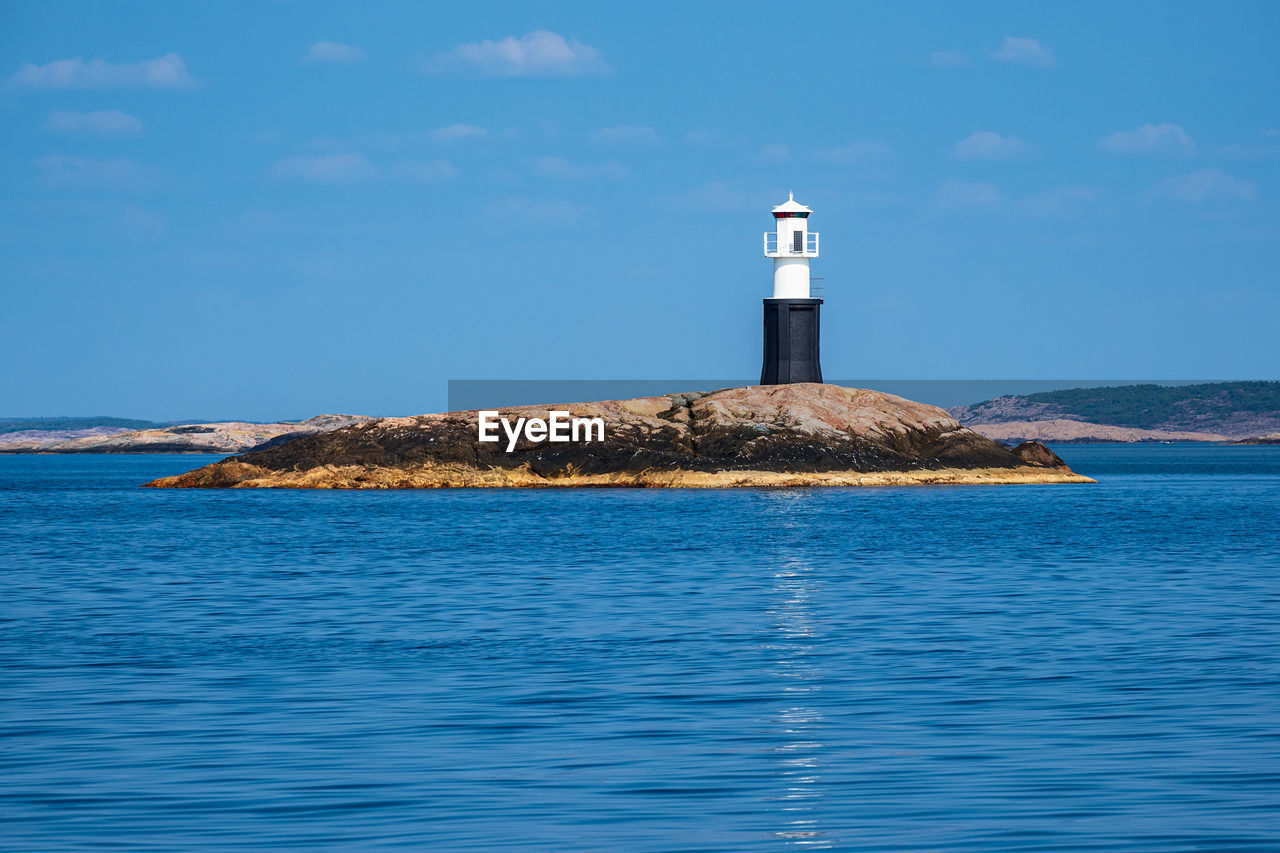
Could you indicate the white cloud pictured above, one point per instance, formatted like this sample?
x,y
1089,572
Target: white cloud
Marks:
x,y
428,170
559,167
528,211
858,152
328,169
332,51
65,172
970,194
626,134
165,72
1024,51
536,54
1204,185
98,123
987,145
452,132
948,59
1150,139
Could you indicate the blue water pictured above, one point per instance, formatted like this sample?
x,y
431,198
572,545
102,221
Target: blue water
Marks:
x,y
963,668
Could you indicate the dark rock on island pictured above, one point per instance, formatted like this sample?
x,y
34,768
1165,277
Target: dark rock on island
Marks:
x,y
1270,439
783,435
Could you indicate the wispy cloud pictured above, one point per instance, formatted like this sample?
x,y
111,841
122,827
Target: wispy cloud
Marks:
x,y
374,141
970,194
725,197
984,196
110,216
1058,200
165,72
987,145
948,59
117,174
1024,51
858,152
327,169
710,139
559,167
525,211
536,54
427,170
137,222
774,153
1266,144
1204,185
116,123
1169,139
626,134
452,132
333,52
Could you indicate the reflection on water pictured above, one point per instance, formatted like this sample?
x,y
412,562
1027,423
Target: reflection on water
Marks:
x,y
797,722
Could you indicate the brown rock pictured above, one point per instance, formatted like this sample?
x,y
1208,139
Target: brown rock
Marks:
x,y
1036,454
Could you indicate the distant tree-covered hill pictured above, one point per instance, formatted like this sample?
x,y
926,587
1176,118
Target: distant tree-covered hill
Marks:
x,y
23,424
1229,408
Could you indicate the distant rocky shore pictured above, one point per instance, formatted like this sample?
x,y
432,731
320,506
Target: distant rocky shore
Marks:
x,y
785,435
1207,411
231,437
1064,431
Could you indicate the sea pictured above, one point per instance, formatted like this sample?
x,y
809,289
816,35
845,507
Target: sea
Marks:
x,y
1061,667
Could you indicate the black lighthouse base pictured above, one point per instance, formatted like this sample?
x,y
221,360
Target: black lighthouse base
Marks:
x,y
791,341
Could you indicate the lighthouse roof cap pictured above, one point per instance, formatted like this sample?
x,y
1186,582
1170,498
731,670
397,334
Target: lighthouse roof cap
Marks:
x,y
791,206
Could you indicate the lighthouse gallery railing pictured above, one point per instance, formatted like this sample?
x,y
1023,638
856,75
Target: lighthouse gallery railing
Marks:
x,y
771,245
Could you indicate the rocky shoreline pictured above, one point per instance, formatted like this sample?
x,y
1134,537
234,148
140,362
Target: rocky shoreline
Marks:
x,y
784,435
1064,431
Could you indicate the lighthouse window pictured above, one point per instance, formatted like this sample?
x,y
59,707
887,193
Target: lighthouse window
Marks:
x,y
797,241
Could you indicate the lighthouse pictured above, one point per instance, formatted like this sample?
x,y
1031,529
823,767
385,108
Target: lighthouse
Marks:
x,y
791,314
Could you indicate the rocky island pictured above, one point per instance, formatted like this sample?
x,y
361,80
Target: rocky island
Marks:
x,y
780,435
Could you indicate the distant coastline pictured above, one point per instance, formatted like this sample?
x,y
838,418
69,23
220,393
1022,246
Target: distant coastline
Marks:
x,y
1207,412
227,437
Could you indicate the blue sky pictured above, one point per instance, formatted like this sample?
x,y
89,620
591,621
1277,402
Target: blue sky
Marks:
x,y
273,210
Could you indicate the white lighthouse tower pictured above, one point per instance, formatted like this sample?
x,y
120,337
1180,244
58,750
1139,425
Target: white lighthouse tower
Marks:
x,y
791,244
791,315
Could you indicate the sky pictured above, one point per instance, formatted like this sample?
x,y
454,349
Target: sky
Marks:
x,y
260,211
